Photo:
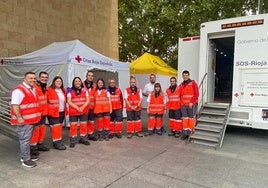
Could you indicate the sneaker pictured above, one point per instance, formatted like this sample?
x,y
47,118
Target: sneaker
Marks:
x,y
29,163
34,158
129,135
59,146
177,134
111,135
118,135
107,139
85,142
158,132
42,147
34,151
148,133
171,134
139,134
72,145
92,137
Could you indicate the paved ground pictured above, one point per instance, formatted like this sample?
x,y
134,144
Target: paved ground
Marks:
x,y
155,161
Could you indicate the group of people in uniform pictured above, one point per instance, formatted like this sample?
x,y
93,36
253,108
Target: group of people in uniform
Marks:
x,y
95,110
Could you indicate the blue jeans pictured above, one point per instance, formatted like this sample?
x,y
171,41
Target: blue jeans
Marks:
x,y
25,133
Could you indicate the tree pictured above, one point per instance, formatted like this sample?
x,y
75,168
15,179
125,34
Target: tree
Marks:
x,y
154,26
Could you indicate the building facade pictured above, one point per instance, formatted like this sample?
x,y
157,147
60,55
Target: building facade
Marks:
x,y
28,25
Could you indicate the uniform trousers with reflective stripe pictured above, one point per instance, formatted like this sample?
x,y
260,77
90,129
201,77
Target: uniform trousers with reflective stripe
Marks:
x,y
56,126
188,120
134,121
175,123
39,132
74,125
90,121
116,121
155,121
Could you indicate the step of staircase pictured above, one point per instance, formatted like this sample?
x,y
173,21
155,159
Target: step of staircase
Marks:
x,y
210,120
205,143
204,138
209,112
209,129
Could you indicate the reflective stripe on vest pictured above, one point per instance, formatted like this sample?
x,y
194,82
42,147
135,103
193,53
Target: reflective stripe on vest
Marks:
x,y
156,105
42,100
187,94
78,100
174,101
133,99
101,102
29,108
116,100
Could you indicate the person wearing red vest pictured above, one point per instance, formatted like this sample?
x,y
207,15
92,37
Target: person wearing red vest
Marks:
x,y
156,108
116,122
88,83
56,104
39,132
102,110
189,101
133,99
174,107
25,115
78,101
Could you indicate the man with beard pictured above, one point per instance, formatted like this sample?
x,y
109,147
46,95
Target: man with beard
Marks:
x,y
133,98
39,131
88,83
189,100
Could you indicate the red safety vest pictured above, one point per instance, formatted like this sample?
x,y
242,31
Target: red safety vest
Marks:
x,y
42,100
156,104
173,102
101,102
53,102
78,100
133,99
187,93
29,109
116,99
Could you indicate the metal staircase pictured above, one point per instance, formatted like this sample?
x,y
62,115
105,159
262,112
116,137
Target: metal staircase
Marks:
x,y
211,125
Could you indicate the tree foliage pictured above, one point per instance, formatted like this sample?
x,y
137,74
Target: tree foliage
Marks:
x,y
154,26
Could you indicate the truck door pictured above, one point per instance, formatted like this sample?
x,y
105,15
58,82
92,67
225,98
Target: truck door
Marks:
x,y
189,57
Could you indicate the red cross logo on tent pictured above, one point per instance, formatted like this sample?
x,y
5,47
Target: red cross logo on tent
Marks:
x,y
251,94
2,61
236,94
78,59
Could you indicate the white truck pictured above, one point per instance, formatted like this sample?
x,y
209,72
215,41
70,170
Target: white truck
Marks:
x,y
230,62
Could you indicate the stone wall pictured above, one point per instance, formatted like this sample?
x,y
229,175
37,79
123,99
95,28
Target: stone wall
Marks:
x,y
27,25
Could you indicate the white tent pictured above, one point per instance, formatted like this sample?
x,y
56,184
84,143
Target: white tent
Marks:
x,y
65,59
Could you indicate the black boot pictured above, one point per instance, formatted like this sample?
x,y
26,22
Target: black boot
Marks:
x,y
111,135
58,145
72,142
172,133
42,147
106,135
100,135
177,134
118,135
34,150
92,137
